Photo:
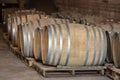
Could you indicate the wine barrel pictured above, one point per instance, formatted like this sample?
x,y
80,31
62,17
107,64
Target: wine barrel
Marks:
x,y
32,25
16,21
9,24
24,33
63,44
17,13
26,37
116,49
42,24
20,20
49,21
110,30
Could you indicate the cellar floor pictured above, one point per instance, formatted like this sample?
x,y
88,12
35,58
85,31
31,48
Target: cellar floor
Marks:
x,y
11,68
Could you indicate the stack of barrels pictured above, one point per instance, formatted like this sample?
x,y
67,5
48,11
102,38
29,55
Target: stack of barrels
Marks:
x,y
58,41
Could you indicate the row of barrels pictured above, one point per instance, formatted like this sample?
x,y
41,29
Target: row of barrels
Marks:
x,y
11,12
57,41
63,44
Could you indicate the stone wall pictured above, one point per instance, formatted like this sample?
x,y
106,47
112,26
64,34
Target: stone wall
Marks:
x,y
106,8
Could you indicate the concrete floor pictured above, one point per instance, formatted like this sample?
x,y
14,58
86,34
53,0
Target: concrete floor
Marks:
x,y
11,68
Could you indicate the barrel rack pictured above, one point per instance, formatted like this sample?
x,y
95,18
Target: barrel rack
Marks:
x,y
63,71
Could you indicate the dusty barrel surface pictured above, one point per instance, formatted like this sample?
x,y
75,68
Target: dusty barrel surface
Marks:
x,y
116,49
109,33
50,21
65,45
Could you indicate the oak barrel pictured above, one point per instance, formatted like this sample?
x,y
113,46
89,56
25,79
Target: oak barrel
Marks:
x,y
71,44
31,26
116,49
42,24
20,19
110,29
16,20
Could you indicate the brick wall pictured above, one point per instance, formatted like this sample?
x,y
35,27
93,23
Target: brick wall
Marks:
x,y
106,8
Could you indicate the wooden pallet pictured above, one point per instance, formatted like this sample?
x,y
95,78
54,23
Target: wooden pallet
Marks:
x,y
63,71
17,52
59,71
113,72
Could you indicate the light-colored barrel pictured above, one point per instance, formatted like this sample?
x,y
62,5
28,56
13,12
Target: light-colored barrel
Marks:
x,y
42,24
109,33
116,49
31,26
24,40
20,19
16,20
71,44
